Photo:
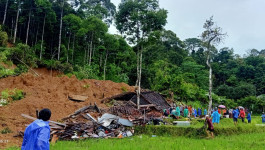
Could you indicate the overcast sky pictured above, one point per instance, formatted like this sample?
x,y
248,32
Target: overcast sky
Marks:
x,y
242,20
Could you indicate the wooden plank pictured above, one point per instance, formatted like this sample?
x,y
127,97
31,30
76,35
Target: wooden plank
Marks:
x,y
52,122
77,98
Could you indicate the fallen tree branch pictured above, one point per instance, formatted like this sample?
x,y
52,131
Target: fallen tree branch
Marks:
x,y
28,67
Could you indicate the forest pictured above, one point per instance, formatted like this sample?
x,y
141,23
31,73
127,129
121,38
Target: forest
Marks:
x,y
72,36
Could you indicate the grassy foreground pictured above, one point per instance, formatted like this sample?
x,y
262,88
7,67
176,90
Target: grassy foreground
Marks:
x,y
231,138
255,141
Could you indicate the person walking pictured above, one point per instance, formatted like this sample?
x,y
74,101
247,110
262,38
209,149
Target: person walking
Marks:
x,y
235,116
242,114
210,128
37,134
216,116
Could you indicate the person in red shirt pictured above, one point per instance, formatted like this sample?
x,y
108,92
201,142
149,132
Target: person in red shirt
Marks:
x,y
210,128
242,115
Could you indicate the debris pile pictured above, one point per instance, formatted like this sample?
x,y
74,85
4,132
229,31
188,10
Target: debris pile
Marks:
x,y
82,123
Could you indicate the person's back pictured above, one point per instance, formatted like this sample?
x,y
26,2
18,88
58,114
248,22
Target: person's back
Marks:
x,y
235,114
249,117
37,134
186,111
216,117
242,113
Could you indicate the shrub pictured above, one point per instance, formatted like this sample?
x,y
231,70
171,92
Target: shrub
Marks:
x,y
17,94
3,37
6,130
8,96
124,89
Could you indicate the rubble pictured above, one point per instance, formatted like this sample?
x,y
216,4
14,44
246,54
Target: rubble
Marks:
x,y
116,121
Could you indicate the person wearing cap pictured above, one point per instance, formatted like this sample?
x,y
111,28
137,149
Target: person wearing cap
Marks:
x,y
210,128
263,117
37,134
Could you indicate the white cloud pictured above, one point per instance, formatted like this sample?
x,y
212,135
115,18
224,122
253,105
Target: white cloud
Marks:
x,y
243,20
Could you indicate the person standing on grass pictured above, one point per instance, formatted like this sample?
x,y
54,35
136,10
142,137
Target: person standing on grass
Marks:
x,y
249,117
199,112
216,116
242,114
37,134
177,112
186,112
235,116
205,112
210,128
195,112
263,117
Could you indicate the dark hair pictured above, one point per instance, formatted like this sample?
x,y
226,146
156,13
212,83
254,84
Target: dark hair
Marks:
x,y
45,114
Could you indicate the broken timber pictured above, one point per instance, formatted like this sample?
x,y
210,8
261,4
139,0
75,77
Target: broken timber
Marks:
x,y
77,98
51,122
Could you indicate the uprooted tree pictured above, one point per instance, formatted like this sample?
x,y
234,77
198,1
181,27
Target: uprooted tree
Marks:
x,y
212,36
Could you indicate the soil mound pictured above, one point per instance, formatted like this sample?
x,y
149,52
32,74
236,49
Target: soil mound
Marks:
x,y
49,91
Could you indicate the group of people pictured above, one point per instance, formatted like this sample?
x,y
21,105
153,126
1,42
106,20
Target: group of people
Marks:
x,y
185,111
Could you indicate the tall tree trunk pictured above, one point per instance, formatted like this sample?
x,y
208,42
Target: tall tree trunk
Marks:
x,y
210,80
15,32
27,34
91,46
60,33
42,35
36,39
68,47
88,52
12,26
105,64
4,20
73,49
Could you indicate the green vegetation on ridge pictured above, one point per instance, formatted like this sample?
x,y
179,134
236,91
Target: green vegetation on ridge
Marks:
x,y
74,38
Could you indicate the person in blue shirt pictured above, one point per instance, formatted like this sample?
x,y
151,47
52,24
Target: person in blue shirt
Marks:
x,y
263,117
235,115
205,112
37,134
195,112
216,116
199,112
249,117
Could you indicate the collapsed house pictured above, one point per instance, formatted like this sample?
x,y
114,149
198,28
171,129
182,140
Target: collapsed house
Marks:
x,y
115,121
148,99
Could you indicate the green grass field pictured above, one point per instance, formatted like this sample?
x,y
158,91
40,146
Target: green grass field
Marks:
x,y
246,141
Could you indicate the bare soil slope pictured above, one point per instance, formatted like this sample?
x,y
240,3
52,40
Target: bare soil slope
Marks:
x,y
46,91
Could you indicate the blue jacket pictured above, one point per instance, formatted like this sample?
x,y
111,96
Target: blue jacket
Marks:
x,y
249,116
36,136
263,118
199,112
216,117
205,112
235,113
